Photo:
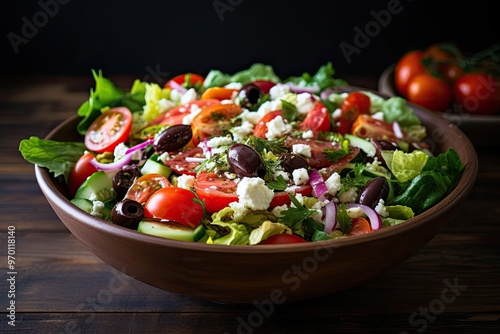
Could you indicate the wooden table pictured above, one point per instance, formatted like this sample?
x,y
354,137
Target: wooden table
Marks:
x,y
61,287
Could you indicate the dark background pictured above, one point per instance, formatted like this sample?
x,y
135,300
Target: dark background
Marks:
x,y
172,37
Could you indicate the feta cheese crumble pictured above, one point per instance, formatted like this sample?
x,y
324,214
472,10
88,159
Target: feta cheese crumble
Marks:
x,y
254,194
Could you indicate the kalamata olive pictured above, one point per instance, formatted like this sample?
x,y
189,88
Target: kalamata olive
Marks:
x,y
124,179
373,191
127,213
245,161
291,162
173,138
249,96
382,145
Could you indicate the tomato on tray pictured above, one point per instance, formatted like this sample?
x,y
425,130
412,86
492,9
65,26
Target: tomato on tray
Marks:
x,y
478,93
111,128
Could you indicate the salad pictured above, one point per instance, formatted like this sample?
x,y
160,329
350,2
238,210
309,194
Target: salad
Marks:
x,y
248,158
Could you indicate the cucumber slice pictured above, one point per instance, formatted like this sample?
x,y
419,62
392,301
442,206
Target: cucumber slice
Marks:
x,y
153,167
167,230
98,187
362,143
90,207
199,234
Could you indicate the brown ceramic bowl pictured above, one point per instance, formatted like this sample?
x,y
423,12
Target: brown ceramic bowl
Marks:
x,y
275,273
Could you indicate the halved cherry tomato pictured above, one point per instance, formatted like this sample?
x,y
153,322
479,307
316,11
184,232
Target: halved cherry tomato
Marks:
x,y
355,104
317,119
359,226
219,93
283,198
176,114
187,80
145,186
177,204
478,93
80,172
409,65
283,238
429,92
260,128
213,120
111,128
366,126
264,85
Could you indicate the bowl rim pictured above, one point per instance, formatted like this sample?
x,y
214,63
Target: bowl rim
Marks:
x,y
458,194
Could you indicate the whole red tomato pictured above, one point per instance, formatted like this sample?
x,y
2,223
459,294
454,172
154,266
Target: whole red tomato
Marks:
x,y
409,65
430,92
478,93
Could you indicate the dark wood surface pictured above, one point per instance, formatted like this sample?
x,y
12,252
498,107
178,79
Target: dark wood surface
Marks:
x,y
451,286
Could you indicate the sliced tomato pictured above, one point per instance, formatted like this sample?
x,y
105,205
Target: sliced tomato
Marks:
x,y
180,165
213,120
359,226
355,104
176,115
186,80
219,93
215,191
283,198
260,128
366,126
318,119
111,128
284,238
80,172
145,186
177,204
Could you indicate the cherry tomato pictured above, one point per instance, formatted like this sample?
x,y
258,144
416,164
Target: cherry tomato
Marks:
x,y
478,93
176,114
219,93
430,92
359,226
317,119
145,186
213,120
260,128
282,197
177,204
111,128
355,104
264,85
80,172
187,80
284,238
180,165
406,68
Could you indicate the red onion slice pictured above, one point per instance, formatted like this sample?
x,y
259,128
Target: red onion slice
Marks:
x,y
140,146
330,219
177,87
302,89
318,185
373,217
397,130
125,160
195,159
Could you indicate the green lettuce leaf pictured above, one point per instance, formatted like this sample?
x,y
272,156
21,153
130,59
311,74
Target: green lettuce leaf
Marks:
x,y
396,109
323,78
256,72
58,157
267,229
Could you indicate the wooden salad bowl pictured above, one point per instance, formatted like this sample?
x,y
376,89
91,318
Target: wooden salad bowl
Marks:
x,y
264,274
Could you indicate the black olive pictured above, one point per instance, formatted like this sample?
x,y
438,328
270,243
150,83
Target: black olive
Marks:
x,y
127,213
245,161
173,138
124,179
373,191
291,162
250,95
